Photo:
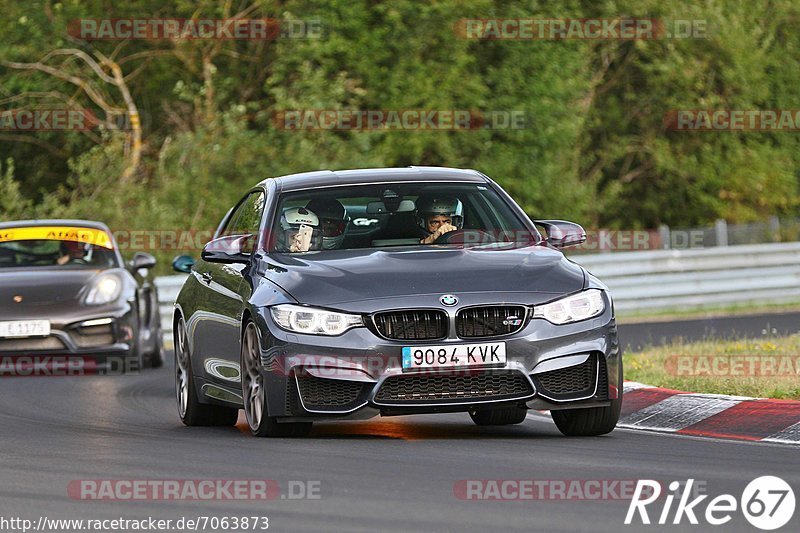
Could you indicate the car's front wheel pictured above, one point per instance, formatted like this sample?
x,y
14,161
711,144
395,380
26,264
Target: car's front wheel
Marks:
x,y
590,421
254,394
191,411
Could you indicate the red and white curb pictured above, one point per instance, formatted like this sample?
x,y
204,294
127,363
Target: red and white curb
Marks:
x,y
710,415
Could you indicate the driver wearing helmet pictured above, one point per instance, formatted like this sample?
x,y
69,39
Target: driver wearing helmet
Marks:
x,y
299,230
74,252
438,215
333,221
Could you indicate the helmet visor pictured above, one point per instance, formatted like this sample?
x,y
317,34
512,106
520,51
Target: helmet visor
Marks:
x,y
332,227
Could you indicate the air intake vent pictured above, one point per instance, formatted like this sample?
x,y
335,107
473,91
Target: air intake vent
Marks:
x,y
414,325
490,321
569,383
321,394
410,390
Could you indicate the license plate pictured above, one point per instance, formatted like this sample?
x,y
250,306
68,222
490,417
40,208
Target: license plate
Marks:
x,y
458,355
25,328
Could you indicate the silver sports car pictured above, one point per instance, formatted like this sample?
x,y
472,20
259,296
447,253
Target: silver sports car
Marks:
x,y
66,295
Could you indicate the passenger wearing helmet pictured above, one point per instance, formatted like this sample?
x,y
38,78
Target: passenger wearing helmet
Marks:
x,y
438,215
299,230
74,252
333,221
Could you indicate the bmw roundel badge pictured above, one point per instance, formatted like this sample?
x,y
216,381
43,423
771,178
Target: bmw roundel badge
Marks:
x,y
448,300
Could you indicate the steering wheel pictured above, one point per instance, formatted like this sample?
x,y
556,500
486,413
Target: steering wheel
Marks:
x,y
466,236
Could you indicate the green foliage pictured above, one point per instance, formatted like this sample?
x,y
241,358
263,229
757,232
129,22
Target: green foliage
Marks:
x,y
12,203
644,175
594,148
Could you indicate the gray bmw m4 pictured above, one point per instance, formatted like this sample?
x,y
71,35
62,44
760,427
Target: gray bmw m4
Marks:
x,y
351,294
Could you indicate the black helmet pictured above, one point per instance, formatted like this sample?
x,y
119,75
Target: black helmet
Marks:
x,y
333,221
428,206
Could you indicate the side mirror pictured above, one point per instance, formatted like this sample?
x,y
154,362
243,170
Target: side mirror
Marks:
x,y
561,234
142,260
183,264
230,249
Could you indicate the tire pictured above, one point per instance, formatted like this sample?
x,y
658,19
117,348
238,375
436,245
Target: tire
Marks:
x,y
254,394
134,361
592,421
500,416
155,359
190,410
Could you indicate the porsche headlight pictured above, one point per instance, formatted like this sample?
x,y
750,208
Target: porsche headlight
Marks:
x,y
573,308
103,290
313,321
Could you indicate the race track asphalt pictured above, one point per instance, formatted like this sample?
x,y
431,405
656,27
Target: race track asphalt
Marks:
x,y
387,474
638,335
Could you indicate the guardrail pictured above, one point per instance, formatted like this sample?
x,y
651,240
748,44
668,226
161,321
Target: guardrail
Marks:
x,y
662,279
168,289
692,279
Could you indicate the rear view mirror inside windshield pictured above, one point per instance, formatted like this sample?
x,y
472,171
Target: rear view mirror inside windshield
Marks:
x,y
378,208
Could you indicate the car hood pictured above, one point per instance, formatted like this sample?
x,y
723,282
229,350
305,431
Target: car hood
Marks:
x,y
42,287
342,276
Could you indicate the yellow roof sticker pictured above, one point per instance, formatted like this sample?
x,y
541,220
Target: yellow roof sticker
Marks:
x,y
97,237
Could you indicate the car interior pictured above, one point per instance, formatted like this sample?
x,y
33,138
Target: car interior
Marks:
x,y
45,252
388,218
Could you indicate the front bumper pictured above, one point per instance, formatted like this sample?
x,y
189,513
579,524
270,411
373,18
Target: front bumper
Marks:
x,y
102,336
360,374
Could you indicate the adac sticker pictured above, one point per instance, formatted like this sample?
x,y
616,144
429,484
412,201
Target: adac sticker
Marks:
x,y
57,233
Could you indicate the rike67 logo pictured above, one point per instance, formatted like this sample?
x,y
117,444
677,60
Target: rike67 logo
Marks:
x,y
767,503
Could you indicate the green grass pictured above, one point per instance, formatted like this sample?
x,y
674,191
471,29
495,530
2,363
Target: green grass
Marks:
x,y
631,317
763,368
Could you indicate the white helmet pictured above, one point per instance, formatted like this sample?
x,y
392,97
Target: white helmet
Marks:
x,y
291,221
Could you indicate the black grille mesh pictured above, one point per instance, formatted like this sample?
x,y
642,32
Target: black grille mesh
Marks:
x,y
327,394
602,381
416,325
489,321
577,380
495,385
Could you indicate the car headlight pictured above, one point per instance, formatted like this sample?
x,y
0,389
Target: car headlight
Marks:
x,y
313,321
573,308
103,290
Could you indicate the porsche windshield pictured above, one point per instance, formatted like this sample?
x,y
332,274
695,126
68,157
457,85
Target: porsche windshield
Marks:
x,y
401,214
55,253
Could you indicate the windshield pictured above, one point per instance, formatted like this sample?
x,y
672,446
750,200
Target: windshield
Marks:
x,y
55,253
402,214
